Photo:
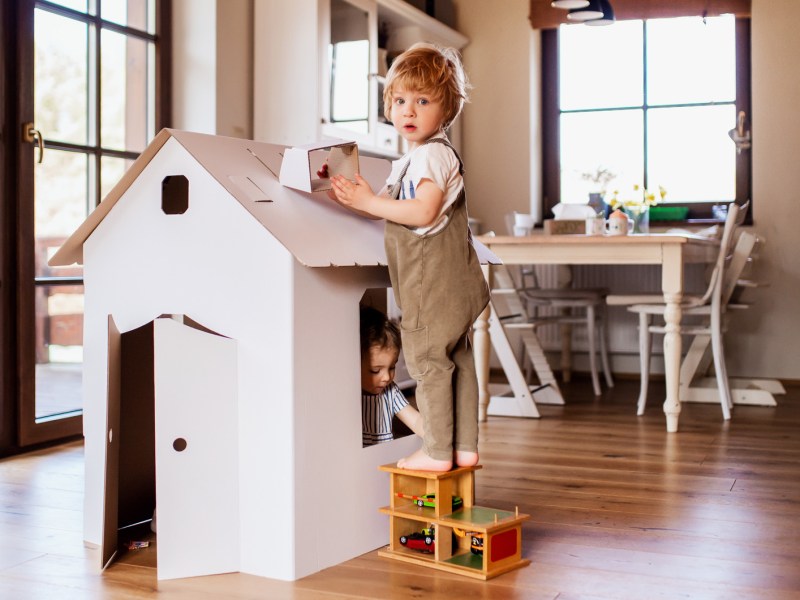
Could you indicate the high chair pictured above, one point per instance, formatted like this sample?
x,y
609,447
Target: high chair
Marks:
x,y
566,307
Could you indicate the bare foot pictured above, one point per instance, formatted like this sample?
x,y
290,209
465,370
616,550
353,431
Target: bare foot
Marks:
x,y
466,459
419,461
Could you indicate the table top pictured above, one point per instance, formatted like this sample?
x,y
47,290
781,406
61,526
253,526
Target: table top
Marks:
x,y
579,238
574,249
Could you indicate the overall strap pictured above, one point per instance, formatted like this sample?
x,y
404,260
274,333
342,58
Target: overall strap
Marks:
x,y
395,191
446,142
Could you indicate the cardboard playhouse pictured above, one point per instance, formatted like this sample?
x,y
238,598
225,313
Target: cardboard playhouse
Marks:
x,y
221,362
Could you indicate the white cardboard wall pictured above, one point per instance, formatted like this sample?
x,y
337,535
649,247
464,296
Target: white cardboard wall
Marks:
x,y
308,492
223,277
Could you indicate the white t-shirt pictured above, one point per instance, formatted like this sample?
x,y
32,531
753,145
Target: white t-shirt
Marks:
x,y
435,162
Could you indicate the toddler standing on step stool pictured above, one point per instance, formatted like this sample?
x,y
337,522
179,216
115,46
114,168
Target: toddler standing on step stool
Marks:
x,y
434,270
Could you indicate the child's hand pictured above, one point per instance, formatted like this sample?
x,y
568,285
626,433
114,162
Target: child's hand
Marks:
x,y
323,173
353,194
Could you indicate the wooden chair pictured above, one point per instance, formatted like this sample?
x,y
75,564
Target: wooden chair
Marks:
x,y
712,310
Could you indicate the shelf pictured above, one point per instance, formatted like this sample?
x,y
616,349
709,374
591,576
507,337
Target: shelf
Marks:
x,y
465,563
413,512
482,519
401,14
476,518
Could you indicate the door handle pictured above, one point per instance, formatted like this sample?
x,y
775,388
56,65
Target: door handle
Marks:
x,y
31,134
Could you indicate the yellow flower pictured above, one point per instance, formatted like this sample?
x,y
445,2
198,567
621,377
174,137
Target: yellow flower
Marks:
x,y
638,198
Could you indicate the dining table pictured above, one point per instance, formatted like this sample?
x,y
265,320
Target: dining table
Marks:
x,y
670,251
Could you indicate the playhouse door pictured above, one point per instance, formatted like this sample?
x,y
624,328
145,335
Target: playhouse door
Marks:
x,y
111,497
197,497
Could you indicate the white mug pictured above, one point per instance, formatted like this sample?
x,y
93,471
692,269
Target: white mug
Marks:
x,y
618,224
524,220
521,231
595,226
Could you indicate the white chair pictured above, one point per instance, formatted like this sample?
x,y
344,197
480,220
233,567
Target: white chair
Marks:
x,y
568,307
711,308
508,313
695,386
734,218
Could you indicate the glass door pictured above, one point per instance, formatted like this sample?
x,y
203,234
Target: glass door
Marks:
x,y
88,109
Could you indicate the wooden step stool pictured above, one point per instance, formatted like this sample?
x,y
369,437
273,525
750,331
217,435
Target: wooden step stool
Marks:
x,y
459,532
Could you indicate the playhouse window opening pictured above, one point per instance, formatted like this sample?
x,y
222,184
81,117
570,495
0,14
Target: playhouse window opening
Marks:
x,y
380,401
175,195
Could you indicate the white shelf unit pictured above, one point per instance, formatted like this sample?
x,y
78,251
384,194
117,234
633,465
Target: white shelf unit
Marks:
x,y
292,68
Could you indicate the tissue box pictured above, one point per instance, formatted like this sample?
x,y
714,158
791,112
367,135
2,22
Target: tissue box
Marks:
x,y
564,226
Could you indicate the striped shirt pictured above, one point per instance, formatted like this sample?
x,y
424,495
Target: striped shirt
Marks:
x,y
377,411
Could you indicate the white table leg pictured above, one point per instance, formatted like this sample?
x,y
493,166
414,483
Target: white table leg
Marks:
x,y
482,347
672,286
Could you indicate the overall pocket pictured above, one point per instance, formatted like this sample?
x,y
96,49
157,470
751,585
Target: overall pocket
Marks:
x,y
415,350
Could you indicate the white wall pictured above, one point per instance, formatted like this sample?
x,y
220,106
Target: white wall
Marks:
x,y
212,70
496,124
768,342
235,68
194,65
286,71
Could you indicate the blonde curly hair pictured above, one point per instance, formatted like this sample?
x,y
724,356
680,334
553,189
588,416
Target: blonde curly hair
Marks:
x,y
433,70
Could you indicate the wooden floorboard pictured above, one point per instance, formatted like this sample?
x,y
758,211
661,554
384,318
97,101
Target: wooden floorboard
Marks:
x,y
620,510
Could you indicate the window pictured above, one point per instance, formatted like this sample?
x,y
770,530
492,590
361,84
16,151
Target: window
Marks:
x,y
92,88
348,54
647,103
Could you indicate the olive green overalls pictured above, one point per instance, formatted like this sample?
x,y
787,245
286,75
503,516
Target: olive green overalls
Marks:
x,y
439,285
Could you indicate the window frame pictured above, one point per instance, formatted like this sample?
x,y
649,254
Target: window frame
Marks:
x,y
699,212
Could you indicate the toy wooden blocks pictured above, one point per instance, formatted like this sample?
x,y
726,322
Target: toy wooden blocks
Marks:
x,y
458,537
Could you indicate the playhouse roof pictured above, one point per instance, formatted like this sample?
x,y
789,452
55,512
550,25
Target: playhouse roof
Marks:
x,y
317,231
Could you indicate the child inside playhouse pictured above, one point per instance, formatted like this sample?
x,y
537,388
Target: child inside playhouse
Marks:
x,y
381,397
433,267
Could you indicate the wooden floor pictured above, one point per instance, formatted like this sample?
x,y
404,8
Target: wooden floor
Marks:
x,y
619,510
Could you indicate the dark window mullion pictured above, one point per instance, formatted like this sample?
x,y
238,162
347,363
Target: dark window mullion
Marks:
x,y
744,166
63,11
68,147
98,85
129,31
645,107
551,123
58,281
96,19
